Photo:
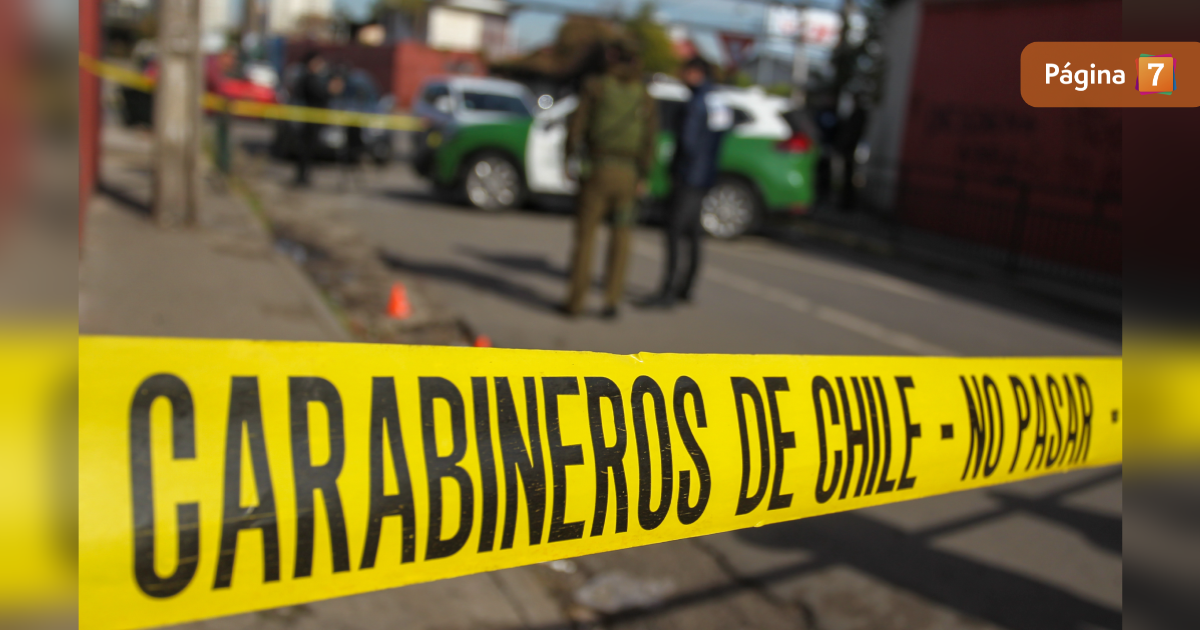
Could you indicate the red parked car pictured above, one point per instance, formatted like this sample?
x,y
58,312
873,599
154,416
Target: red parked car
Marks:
x,y
251,82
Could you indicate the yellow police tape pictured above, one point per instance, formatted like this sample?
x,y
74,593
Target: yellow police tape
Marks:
x,y
253,109
218,477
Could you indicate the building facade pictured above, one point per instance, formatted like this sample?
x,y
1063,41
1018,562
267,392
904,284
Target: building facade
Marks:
x,y
287,16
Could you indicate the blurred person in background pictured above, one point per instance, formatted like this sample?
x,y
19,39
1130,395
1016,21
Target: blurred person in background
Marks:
x,y
822,107
845,141
315,89
614,126
693,172
349,99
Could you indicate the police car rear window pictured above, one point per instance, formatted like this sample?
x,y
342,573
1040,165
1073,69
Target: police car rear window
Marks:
x,y
478,101
433,92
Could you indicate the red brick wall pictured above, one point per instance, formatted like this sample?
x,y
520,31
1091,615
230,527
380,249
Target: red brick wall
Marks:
x,y
971,143
376,61
415,63
89,106
399,68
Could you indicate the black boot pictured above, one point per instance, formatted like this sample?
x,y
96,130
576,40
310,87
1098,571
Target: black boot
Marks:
x,y
664,300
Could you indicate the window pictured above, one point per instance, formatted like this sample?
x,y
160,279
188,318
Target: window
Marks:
x,y
433,92
740,117
480,102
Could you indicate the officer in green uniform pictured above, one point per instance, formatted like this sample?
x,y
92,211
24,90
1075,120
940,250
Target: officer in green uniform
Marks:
x,y
614,130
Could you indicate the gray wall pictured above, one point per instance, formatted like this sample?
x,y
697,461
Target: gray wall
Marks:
x,y
885,130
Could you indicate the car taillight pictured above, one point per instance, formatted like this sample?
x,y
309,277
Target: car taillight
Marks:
x,y
799,143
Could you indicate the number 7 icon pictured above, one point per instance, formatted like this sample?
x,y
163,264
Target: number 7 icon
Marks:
x,y
1157,69
1156,74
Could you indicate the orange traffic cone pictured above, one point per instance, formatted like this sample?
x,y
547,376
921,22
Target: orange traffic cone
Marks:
x,y
398,305
483,341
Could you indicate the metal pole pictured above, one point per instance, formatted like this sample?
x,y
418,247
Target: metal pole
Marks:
x,y
177,113
223,149
249,17
800,65
90,118
760,44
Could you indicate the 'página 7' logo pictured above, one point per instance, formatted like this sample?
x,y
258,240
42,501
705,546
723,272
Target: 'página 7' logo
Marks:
x,y
1109,74
1081,78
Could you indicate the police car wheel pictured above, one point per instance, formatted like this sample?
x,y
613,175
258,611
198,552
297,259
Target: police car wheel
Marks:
x,y
492,183
730,209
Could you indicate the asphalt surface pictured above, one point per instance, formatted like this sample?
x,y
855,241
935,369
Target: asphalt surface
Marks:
x,y
1039,554
506,272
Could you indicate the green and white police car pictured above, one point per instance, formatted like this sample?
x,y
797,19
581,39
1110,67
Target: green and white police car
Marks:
x,y
491,141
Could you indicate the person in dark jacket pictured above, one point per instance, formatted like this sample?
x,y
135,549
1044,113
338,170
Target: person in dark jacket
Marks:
x,y
314,89
693,171
849,134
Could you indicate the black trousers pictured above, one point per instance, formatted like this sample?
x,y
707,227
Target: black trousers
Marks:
x,y
306,150
352,152
682,231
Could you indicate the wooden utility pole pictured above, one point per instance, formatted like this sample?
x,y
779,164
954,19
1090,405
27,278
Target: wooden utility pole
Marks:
x,y
177,113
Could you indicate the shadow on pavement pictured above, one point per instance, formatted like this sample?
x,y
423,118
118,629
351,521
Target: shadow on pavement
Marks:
x,y
528,263
1102,531
908,560
445,200
256,146
454,200
125,198
473,279
994,289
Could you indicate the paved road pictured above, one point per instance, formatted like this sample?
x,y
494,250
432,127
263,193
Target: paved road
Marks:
x,y
505,273
1041,554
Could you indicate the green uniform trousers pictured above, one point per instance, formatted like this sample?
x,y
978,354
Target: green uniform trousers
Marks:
x,y
611,187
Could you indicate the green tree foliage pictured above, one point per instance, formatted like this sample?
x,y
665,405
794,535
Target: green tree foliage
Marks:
x,y
574,51
658,54
741,79
579,34
576,48
780,89
858,67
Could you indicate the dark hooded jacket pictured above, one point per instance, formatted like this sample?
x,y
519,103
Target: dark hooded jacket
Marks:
x,y
697,147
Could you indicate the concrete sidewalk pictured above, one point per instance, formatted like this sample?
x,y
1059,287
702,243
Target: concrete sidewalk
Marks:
x,y
222,278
